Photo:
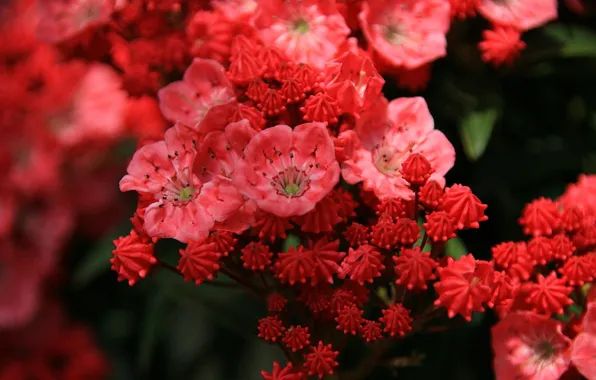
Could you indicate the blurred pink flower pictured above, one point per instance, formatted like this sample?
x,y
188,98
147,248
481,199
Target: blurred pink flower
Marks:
x,y
521,14
406,34
204,94
97,108
529,346
583,351
62,19
308,31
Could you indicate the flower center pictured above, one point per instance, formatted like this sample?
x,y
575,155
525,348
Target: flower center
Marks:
x,y
544,350
292,189
291,182
391,153
394,34
88,13
186,193
301,26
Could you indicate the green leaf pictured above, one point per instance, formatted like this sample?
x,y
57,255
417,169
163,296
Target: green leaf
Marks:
x,y
292,241
575,309
573,40
475,130
455,248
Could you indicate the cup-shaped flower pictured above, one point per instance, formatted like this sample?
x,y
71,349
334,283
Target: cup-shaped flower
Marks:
x,y
406,33
307,31
387,135
286,172
203,97
186,206
522,15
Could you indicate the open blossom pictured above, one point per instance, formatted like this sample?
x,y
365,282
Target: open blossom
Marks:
x,y
286,172
236,10
220,154
387,136
62,19
185,207
307,31
521,14
406,34
97,110
529,346
203,95
583,351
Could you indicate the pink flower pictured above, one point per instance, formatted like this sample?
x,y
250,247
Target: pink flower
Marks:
x,y
406,33
529,346
188,199
204,96
236,10
353,81
286,172
387,135
221,153
583,351
62,19
97,110
583,354
308,31
20,282
521,14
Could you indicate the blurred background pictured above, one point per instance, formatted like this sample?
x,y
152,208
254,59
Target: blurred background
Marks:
x,y
520,132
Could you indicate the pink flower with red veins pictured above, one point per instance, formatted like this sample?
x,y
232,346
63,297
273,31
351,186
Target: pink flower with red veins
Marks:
x,y
583,350
185,207
62,19
286,172
529,346
406,33
521,14
387,135
97,110
202,99
236,10
308,31
220,154
353,81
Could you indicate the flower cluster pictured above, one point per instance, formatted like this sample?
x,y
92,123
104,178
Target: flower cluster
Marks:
x,y
285,169
271,147
402,38
58,117
547,328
